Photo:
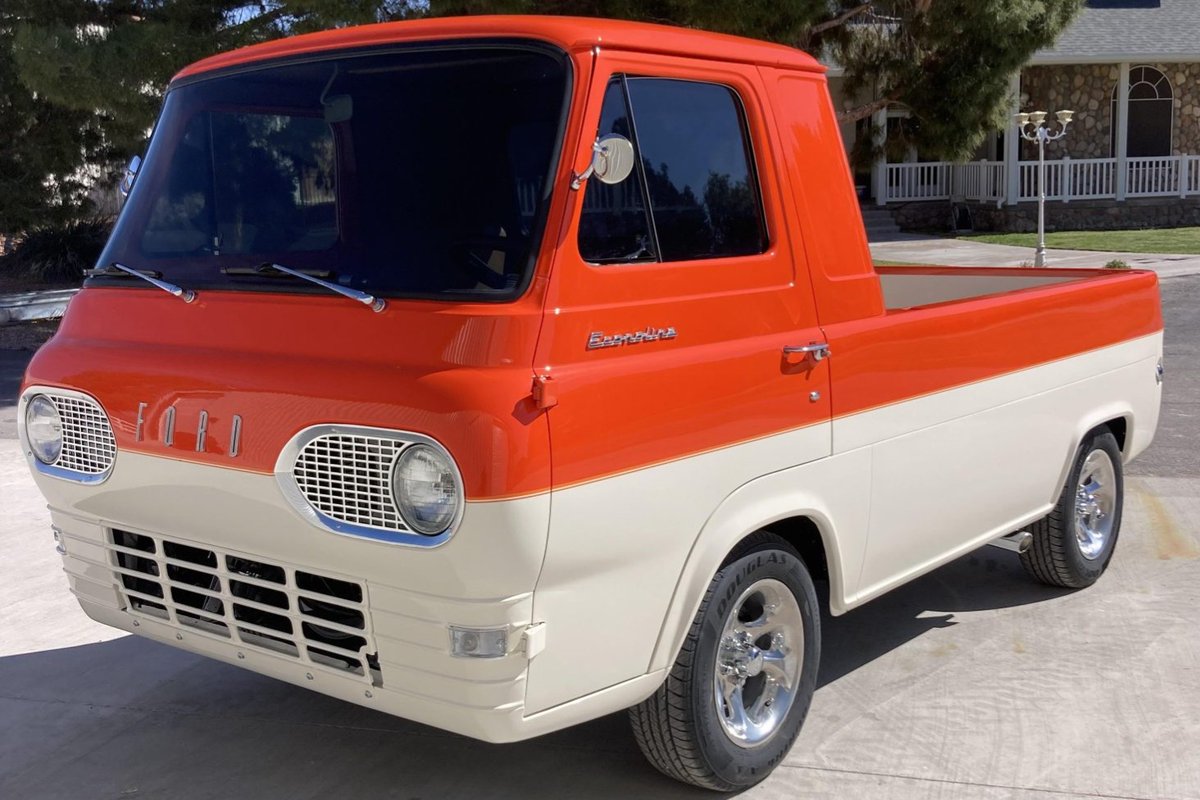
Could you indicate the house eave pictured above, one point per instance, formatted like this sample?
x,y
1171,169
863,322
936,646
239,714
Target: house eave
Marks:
x,y
1054,59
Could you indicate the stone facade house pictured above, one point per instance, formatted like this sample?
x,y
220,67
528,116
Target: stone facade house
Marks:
x,y
1130,70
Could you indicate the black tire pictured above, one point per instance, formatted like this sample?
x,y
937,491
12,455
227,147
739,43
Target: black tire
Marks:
x,y
1057,556
678,728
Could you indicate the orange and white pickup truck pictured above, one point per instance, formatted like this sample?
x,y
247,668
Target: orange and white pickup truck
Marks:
x,y
502,373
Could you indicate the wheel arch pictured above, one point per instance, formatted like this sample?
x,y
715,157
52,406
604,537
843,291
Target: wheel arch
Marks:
x,y
1117,417
799,518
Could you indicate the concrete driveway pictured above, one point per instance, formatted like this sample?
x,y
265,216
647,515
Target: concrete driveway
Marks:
x,y
972,683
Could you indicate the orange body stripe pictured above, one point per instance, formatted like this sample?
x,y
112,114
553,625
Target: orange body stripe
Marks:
x,y
462,373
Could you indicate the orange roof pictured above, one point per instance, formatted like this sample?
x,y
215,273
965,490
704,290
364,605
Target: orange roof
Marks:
x,y
570,33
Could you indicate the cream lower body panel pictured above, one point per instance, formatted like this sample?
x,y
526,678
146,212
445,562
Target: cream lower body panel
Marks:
x,y
953,470
482,577
617,547
907,488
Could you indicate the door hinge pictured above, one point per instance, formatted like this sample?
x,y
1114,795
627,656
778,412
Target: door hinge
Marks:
x,y
544,395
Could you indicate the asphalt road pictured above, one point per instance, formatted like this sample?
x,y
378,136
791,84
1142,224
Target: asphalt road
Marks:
x,y
1176,449
972,683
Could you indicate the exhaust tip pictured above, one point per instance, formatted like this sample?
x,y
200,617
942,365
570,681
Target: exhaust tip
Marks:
x,y
1018,542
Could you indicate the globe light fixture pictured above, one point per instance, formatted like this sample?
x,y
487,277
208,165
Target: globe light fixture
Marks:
x,y
1032,128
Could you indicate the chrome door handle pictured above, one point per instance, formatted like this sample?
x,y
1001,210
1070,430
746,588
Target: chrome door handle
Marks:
x,y
817,352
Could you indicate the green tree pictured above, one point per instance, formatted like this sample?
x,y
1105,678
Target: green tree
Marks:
x,y
82,80
947,61
42,149
784,21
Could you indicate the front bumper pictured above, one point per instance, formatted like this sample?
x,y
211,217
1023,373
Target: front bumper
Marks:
x,y
403,664
161,549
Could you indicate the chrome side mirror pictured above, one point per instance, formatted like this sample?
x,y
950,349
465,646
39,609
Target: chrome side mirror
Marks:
x,y
131,172
612,161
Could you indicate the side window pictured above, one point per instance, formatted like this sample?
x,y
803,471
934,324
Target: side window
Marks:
x,y
694,164
615,225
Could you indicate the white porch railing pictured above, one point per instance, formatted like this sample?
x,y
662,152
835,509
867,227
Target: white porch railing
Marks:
x,y
1088,179
979,180
942,180
1067,179
1071,179
921,181
1156,177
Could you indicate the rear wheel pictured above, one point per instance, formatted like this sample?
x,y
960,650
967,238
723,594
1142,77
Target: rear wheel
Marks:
x,y
1074,543
740,689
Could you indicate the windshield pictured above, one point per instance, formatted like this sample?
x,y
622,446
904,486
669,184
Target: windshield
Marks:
x,y
419,173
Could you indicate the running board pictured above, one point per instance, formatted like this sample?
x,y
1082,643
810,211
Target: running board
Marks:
x,y
1017,542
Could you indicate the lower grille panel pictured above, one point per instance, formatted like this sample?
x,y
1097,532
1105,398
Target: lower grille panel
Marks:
x,y
316,619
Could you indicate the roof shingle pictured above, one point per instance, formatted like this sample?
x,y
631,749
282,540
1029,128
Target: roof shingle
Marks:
x,y
1128,30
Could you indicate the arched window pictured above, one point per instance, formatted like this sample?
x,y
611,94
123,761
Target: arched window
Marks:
x,y
1151,106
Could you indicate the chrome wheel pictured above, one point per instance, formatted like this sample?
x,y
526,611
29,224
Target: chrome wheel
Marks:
x,y
758,663
1095,502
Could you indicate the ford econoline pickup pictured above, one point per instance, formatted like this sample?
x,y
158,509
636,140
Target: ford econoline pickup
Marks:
x,y
502,373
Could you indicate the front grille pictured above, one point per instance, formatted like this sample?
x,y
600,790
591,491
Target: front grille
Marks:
x,y
348,477
88,446
313,618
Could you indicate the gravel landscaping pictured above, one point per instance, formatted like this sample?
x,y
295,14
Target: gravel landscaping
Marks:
x,y
27,335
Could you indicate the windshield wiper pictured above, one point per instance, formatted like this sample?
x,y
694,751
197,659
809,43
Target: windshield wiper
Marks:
x,y
116,270
376,304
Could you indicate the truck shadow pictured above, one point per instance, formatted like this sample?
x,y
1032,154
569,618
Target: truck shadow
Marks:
x,y
129,717
988,578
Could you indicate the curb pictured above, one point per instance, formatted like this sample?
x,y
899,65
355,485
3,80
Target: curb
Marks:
x,y
29,306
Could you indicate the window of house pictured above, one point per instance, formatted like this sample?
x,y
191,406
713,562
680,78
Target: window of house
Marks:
x,y
693,194
1151,106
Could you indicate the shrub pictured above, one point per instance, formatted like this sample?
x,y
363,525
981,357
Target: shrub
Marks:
x,y
1116,263
57,253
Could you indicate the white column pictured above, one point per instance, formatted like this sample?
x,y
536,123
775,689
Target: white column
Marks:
x,y
1012,141
1122,123
879,168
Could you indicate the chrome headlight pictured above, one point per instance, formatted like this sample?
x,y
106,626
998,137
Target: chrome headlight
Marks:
x,y
426,489
378,483
44,429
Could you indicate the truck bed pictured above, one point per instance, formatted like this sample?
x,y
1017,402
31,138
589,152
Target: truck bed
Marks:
x,y
912,287
952,326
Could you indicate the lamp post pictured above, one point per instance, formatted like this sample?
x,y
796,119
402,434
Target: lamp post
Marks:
x,y
1040,133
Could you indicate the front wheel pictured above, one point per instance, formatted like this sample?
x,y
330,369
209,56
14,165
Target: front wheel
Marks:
x,y
740,689
1072,545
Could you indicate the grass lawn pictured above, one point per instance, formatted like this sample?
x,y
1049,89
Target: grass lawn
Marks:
x,y
1153,240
